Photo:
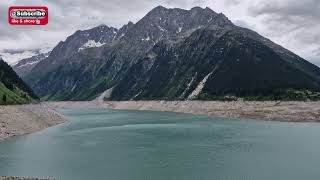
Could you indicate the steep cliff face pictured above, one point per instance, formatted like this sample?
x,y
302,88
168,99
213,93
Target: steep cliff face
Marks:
x,y
174,54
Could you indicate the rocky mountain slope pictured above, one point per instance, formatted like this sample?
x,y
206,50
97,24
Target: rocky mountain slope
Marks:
x,y
174,54
12,89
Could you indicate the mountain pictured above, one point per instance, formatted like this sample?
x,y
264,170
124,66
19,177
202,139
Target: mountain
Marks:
x,y
24,66
174,54
101,67
12,89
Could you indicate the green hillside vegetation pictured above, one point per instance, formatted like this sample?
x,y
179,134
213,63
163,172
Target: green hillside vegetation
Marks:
x,y
12,89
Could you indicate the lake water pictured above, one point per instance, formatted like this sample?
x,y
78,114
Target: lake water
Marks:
x,y
140,145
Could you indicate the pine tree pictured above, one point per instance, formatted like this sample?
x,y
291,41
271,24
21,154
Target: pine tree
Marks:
x,y
4,98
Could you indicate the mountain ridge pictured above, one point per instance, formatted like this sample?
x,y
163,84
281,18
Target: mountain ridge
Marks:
x,y
132,61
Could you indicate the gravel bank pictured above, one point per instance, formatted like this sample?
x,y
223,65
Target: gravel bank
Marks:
x,y
267,110
24,119
291,111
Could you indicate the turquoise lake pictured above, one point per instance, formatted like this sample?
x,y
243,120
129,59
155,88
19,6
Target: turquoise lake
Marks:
x,y
143,145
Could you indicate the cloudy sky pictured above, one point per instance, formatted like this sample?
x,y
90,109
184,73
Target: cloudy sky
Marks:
x,y
290,23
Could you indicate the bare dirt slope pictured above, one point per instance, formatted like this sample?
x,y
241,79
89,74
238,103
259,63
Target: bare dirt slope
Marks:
x,y
24,119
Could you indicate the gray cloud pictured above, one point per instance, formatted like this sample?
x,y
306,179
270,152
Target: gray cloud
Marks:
x,y
243,23
317,51
287,8
232,2
295,22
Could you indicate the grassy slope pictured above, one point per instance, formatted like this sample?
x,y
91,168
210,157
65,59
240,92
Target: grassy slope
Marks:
x,y
12,89
14,97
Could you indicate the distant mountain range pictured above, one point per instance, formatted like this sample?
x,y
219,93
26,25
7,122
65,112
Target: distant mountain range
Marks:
x,y
13,56
24,66
12,89
172,54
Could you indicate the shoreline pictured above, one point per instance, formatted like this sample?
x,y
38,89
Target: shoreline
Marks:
x,y
17,120
18,178
282,111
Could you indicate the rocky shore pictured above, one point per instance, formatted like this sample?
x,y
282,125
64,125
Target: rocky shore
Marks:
x,y
287,111
17,120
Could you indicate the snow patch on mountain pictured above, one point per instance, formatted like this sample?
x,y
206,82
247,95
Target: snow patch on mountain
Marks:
x,y
161,29
146,39
91,44
45,51
28,64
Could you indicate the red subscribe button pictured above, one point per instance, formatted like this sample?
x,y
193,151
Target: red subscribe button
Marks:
x,y
28,15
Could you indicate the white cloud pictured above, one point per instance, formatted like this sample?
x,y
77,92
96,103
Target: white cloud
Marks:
x,y
13,58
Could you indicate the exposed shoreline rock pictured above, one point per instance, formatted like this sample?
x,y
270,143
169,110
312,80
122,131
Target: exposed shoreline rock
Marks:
x,y
286,111
18,120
